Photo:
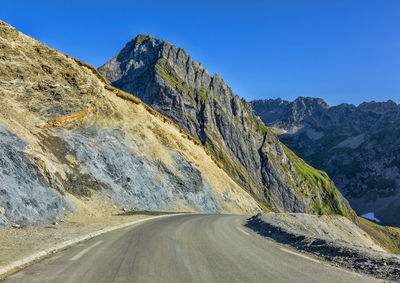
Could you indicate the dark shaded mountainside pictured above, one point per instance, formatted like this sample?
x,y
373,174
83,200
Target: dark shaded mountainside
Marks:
x,y
167,79
358,146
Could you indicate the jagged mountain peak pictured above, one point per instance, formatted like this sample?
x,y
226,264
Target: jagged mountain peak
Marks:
x,y
289,114
379,107
145,54
312,100
72,142
142,37
166,77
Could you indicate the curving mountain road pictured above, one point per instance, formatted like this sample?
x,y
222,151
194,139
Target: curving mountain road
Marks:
x,y
183,248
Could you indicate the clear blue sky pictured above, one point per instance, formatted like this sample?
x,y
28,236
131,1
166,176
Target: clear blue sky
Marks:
x,y
340,50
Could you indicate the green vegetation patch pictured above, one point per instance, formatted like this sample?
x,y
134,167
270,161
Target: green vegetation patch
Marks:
x,y
260,127
262,206
318,183
267,194
257,124
221,157
169,75
385,236
237,171
201,93
140,38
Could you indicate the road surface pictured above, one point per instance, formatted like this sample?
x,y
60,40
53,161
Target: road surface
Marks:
x,y
183,248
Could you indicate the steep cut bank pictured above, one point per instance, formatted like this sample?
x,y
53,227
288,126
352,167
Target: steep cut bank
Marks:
x,y
358,146
166,78
71,142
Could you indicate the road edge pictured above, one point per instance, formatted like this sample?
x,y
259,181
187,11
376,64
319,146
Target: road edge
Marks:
x,y
37,256
345,256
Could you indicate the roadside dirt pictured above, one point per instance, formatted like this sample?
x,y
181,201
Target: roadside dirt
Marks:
x,y
339,253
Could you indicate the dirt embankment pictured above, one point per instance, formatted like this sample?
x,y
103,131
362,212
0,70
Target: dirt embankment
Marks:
x,y
333,238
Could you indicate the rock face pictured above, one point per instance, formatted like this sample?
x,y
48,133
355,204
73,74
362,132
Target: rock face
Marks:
x,y
69,140
166,78
18,171
358,146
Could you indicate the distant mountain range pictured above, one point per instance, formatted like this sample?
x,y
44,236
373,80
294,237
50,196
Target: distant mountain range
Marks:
x,y
358,146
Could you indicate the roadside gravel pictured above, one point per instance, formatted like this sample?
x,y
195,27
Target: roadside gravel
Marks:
x,y
22,242
340,253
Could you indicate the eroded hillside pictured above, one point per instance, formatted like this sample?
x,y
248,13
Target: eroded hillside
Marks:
x,y
70,142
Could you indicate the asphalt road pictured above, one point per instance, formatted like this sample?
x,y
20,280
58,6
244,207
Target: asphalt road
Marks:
x,y
183,248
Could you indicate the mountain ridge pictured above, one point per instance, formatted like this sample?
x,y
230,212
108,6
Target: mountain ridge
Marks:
x,y
166,78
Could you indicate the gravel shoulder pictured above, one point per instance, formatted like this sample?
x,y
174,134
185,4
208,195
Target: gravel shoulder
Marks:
x,y
22,242
301,232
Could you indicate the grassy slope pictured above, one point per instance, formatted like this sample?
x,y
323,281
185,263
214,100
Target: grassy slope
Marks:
x,y
318,182
387,237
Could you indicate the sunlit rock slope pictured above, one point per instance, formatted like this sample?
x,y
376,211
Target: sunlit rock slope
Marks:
x,y
68,139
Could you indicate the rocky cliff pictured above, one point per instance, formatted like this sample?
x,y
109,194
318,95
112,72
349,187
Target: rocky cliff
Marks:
x,y
358,146
166,78
69,142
